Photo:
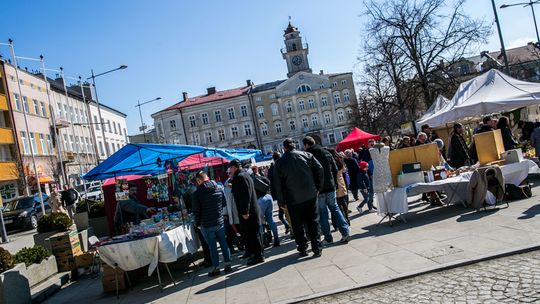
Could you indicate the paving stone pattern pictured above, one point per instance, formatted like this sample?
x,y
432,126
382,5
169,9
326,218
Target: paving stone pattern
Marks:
x,y
513,279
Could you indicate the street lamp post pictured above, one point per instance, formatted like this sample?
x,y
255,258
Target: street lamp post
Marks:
x,y
32,152
503,50
139,104
525,4
93,77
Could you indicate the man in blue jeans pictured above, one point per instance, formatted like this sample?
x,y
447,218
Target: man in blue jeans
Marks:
x,y
327,196
208,203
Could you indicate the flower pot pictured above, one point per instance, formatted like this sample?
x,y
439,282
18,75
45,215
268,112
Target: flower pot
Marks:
x,y
40,239
100,226
81,220
37,273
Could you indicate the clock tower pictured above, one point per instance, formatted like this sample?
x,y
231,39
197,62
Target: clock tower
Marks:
x,y
295,52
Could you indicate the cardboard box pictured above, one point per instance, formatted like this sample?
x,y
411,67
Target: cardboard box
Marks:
x,y
410,178
65,246
426,155
84,260
109,277
489,146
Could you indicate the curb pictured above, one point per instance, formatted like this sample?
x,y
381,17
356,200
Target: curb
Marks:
x,y
407,275
49,287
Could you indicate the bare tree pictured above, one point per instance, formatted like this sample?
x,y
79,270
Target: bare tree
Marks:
x,y
420,35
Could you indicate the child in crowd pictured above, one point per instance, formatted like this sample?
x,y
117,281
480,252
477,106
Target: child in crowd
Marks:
x,y
364,185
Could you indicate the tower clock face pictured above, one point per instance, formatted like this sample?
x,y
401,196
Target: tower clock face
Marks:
x,y
297,60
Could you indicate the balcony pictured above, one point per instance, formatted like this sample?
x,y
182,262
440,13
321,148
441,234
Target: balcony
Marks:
x,y
303,46
6,136
3,103
8,171
61,122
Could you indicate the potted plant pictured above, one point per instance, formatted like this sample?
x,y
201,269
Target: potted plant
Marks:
x,y
81,214
40,265
97,219
50,224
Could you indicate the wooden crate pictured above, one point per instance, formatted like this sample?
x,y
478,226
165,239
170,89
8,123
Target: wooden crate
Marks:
x,y
84,260
109,277
65,246
426,155
489,146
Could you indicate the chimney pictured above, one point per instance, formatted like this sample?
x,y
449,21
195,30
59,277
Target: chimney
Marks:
x,y
184,96
321,72
248,83
211,90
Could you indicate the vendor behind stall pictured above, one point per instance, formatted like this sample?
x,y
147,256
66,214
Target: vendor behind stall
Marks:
x,y
130,211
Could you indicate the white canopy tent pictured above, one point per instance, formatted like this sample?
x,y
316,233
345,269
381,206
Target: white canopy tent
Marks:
x,y
439,103
488,93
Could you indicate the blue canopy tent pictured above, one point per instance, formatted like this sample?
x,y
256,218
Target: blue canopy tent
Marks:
x,y
149,159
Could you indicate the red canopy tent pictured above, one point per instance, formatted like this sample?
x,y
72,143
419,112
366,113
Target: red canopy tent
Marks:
x,y
198,161
356,139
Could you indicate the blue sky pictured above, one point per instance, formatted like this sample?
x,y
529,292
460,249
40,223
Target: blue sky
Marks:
x,y
175,46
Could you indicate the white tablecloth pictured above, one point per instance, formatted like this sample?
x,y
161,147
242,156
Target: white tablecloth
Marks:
x,y
166,248
455,187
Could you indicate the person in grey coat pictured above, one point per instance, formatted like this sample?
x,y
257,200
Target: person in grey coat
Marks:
x,y
130,211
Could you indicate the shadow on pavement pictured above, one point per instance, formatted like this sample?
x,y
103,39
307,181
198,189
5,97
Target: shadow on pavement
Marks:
x,y
530,213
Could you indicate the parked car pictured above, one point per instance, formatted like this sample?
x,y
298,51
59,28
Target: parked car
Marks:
x,y
24,212
93,193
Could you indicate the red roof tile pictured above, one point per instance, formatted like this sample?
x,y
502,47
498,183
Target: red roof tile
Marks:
x,y
219,95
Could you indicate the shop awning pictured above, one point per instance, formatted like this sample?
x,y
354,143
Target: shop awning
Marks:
x,y
151,159
356,139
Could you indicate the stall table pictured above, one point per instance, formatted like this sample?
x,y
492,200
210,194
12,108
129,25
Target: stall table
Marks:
x,y
395,201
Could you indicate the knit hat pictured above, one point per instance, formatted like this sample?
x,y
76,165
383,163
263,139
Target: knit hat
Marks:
x,y
364,165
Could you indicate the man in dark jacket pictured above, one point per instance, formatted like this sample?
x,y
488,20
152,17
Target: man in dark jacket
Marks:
x,y
281,215
208,203
327,195
298,177
245,197
69,197
130,211
458,153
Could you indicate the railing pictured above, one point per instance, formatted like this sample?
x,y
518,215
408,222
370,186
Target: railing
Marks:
x,y
6,136
285,50
3,103
8,171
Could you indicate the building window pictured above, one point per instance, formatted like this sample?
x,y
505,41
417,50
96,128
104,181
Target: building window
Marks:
x,y
192,121
331,138
303,88
217,114
66,111
247,129
344,82
305,122
125,133
334,84
340,116
33,142
288,106
344,134
230,111
346,96
77,117
59,108
314,120
96,122
208,137
101,152
301,105
50,144
21,82
260,112
275,110
286,92
72,143
258,98
43,109
327,118
278,127
321,86
221,134
25,104
292,125
115,130
77,144
172,124
273,96
196,139
36,106
311,103
324,100
66,143
204,117
44,146
349,113
234,132
17,102
119,129
337,99
26,146
264,129
243,110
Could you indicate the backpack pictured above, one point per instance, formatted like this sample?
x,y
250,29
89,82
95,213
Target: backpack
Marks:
x,y
261,184
72,197
514,192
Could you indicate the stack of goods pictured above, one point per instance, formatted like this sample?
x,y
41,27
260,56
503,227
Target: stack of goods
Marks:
x,y
65,246
110,277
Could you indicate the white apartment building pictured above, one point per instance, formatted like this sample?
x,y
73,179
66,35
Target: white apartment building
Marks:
x,y
113,124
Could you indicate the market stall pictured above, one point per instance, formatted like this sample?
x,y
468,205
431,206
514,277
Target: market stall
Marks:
x,y
356,139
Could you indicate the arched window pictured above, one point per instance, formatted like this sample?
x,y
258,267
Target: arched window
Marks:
x,y
311,103
301,105
349,113
275,110
292,125
324,100
288,106
305,122
346,96
337,98
278,127
260,112
327,118
303,88
314,120
340,115
264,129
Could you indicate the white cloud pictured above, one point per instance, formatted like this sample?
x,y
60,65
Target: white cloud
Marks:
x,y
520,42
